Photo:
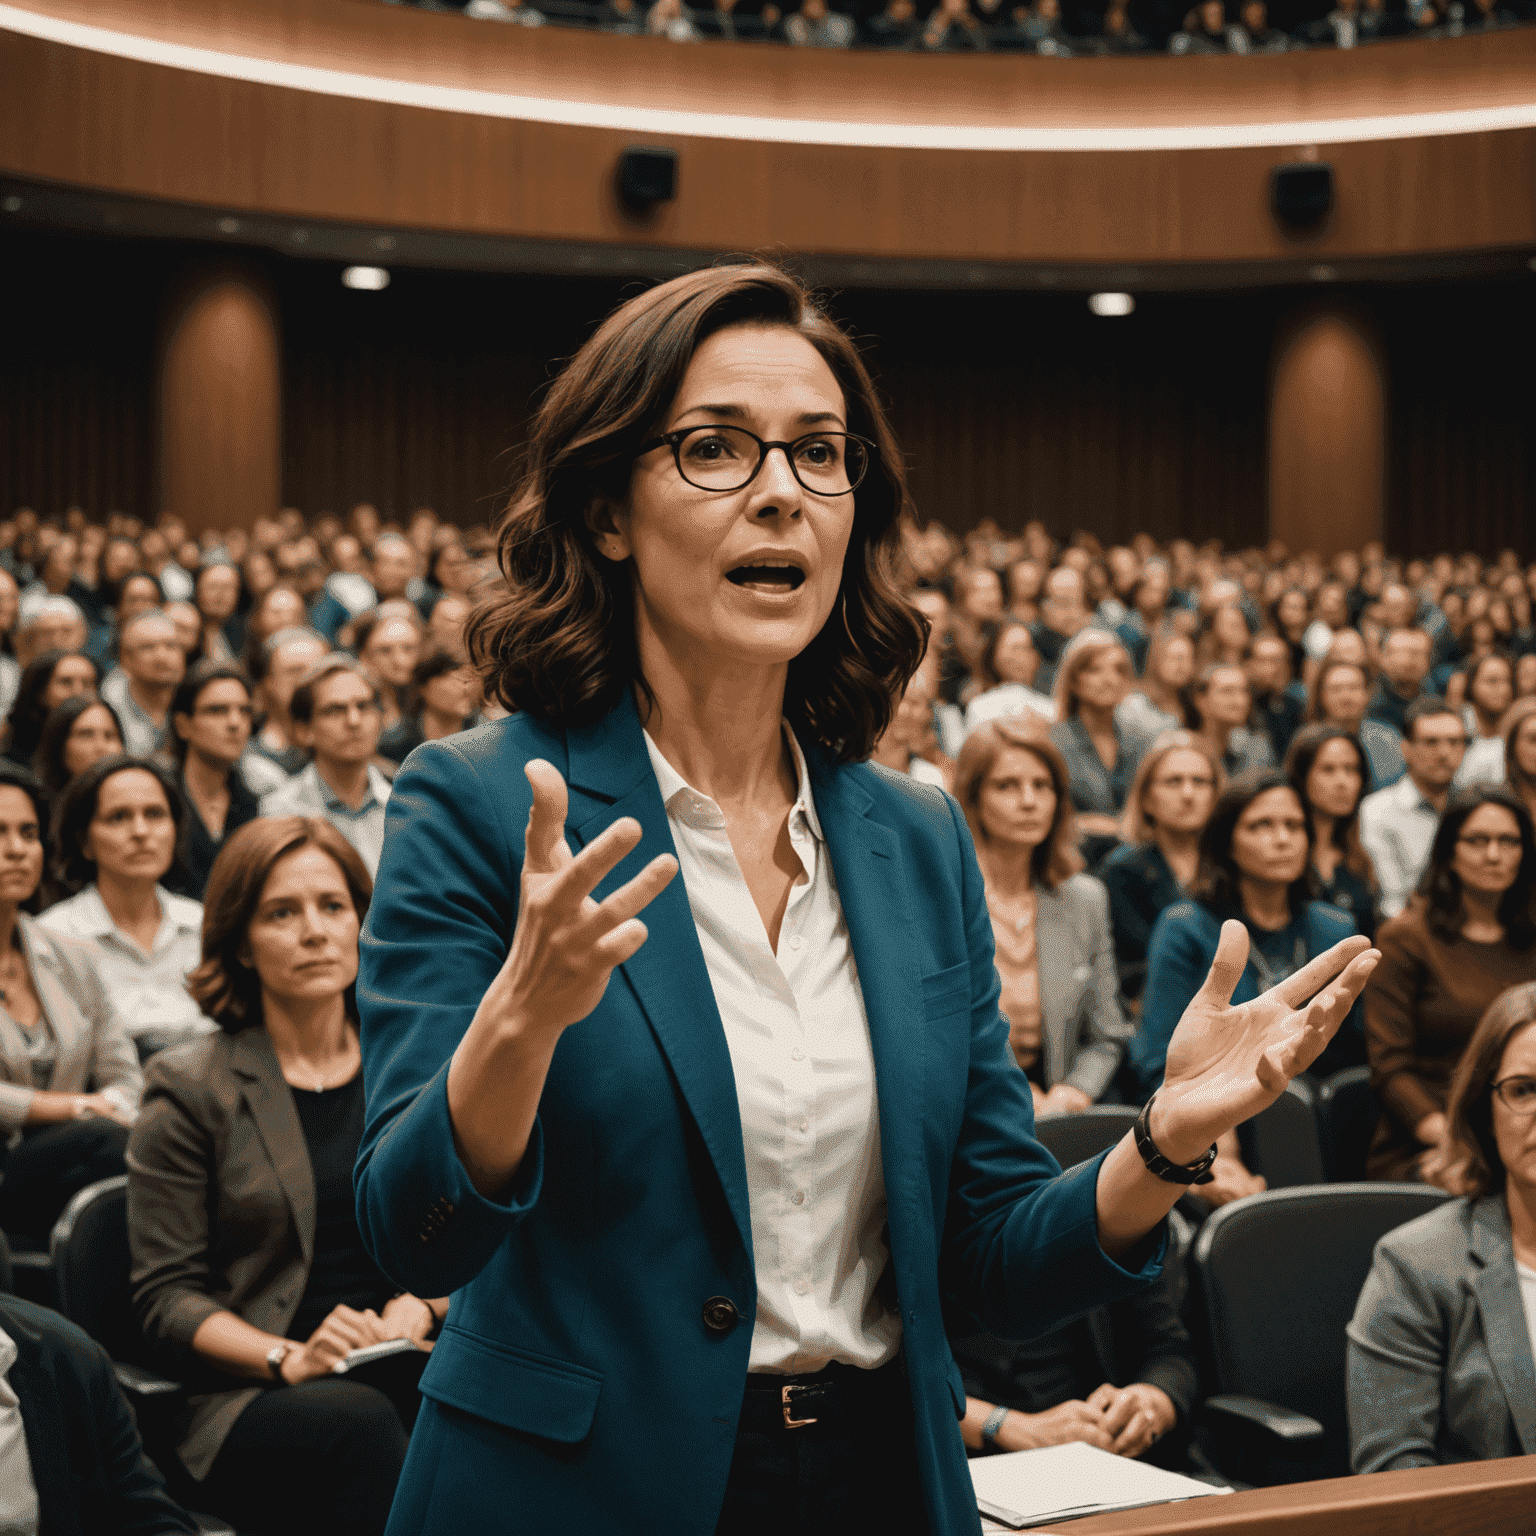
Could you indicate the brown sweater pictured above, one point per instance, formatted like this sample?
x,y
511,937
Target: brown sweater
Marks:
x,y
1421,1007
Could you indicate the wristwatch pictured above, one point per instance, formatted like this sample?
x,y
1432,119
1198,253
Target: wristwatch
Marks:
x,y
994,1423
1197,1172
275,1357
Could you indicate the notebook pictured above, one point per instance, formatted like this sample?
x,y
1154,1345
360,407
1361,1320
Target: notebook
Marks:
x,y
371,1352
1064,1482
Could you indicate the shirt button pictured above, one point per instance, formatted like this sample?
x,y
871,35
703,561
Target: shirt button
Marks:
x,y
797,1055
798,1198
801,1287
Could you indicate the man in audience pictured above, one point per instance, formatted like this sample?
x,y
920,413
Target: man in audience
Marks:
x,y
1279,704
1064,612
393,568
1397,824
155,552
290,653
1405,657
151,662
337,717
48,624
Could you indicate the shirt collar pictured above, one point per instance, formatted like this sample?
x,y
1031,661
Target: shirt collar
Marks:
x,y
1412,798
378,792
672,784
93,921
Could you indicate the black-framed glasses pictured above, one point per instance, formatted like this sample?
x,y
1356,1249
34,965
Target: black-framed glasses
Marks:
x,y
717,458
1518,1095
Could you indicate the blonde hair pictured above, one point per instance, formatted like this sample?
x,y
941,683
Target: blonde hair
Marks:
x,y
1082,650
1136,825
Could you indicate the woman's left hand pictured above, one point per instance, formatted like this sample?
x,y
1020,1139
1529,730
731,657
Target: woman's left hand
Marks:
x,y
1063,1099
409,1317
1225,1064
1136,1416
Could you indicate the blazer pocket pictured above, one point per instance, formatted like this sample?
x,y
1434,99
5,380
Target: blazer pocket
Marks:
x,y
535,1394
948,991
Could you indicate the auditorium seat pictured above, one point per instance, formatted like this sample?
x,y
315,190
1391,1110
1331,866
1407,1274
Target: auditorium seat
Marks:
x,y
1282,1144
7,1276
1347,1112
1278,1275
1073,1139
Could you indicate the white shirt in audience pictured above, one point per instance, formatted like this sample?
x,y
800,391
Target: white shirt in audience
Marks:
x,y
1004,700
307,794
19,1509
141,736
805,1083
148,990
1484,762
1397,827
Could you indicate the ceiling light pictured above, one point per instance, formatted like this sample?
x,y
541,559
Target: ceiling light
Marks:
x,y
370,278
1111,303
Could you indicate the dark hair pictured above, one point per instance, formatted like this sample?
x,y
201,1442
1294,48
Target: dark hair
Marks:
x,y
1470,1105
28,712
363,626
73,868
434,664
1218,883
184,700
1428,706
1329,666
1440,885
223,985
559,640
14,777
258,657
1305,746
301,707
48,760
1477,664
435,554
112,591
994,631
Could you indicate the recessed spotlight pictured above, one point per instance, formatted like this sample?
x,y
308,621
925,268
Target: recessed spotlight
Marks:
x,y
12,204
384,243
1111,303
1322,273
372,279
229,226
299,236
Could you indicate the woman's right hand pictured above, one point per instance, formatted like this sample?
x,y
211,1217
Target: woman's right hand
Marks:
x,y
1067,1423
91,1106
342,1331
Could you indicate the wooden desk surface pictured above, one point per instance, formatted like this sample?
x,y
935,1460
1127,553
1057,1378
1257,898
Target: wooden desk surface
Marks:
x,y
1488,1498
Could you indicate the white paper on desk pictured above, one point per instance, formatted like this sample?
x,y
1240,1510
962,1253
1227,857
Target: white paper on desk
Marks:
x,y
371,1352
1063,1482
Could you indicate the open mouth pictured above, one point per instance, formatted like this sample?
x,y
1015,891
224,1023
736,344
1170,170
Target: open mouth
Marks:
x,y
767,578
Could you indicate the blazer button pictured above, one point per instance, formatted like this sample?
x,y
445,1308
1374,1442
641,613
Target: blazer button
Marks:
x,y
720,1314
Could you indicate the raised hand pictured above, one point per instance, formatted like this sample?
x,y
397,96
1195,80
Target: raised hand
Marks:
x,y
1227,1063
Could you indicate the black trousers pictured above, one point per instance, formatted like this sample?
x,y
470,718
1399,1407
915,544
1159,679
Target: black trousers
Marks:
x,y
856,1473
50,1164
318,1459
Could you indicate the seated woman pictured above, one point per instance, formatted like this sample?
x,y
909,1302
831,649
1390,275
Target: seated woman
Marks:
x,y
1170,802
446,690
1341,694
387,640
1093,678
1050,923
211,718
1006,668
116,830
69,1078
1488,689
46,682
910,743
1469,934
1158,703
1489,758
1255,856
247,1265
1440,1363
1327,768
81,731
1222,700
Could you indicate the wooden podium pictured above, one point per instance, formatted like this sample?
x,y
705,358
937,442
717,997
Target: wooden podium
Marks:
x,y
1479,1498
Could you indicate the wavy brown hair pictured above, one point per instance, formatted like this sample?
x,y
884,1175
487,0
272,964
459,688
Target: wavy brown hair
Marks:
x,y
558,640
1300,758
1055,858
223,985
1470,1106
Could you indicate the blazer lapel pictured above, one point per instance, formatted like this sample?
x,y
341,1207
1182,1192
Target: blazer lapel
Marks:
x,y
277,1122
1055,957
1497,1288
48,1440
610,777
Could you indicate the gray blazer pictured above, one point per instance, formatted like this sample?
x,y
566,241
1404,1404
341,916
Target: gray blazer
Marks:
x,y
95,1051
221,1210
1439,1353
1083,1032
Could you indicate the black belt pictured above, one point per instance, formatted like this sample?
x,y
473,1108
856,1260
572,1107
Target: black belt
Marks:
x,y
835,1399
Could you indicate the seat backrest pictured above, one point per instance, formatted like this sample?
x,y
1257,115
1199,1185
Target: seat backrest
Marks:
x,y
1281,1142
1347,1113
7,1275
1073,1139
1279,1276
89,1248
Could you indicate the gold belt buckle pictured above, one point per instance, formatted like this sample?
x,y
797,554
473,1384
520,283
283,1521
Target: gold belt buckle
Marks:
x,y
789,1403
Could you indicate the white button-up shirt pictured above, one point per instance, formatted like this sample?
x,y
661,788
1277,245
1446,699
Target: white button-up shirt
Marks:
x,y
19,1512
805,1085
307,794
148,991
1397,827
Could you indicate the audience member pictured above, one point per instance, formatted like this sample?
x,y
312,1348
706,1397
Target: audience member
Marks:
x,y
1397,824
10,668
1488,690
1222,705
449,570
69,1076
1204,30
216,596
118,826
81,731
1055,959
187,623
1116,33
1155,867
1468,937
279,607
1405,657
48,680
1327,769
287,656
445,624
1006,668
1341,695
49,624
1063,613
71,1460
389,645
211,718
1440,1346
1255,854
248,1269
1158,702
445,690
136,593
1279,703
335,715
152,662
1092,681
910,743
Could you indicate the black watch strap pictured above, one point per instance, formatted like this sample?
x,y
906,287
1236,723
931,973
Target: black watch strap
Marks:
x,y
1198,1172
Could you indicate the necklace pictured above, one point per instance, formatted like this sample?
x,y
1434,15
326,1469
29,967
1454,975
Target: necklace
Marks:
x,y
1025,916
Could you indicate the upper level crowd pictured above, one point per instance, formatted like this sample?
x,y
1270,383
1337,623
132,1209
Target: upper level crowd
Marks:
x,y
200,740
1053,28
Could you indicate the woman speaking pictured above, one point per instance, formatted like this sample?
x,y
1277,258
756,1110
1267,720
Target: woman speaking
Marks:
x,y
695,1181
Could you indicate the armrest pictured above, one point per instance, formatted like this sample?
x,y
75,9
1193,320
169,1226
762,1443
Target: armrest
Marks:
x,y
140,1383
1277,1430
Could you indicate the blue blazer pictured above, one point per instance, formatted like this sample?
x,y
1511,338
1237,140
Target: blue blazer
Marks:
x,y
576,1381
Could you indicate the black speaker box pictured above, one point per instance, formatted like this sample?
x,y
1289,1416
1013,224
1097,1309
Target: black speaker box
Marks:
x,y
1301,195
647,177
